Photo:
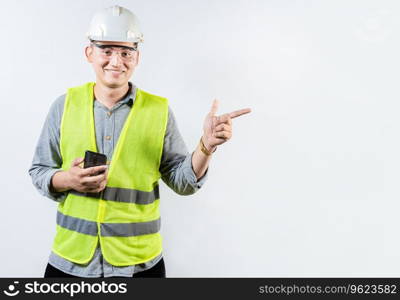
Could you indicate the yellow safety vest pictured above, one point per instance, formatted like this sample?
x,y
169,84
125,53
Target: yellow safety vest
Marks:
x,y
125,216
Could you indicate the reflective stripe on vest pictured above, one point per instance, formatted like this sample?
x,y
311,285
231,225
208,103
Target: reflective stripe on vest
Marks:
x,y
125,217
108,229
124,195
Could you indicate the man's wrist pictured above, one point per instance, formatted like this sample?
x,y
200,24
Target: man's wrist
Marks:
x,y
206,148
60,182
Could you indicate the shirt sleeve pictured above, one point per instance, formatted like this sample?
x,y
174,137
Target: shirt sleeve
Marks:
x,y
176,162
47,158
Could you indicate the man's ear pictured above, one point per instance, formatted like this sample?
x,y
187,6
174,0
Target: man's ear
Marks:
x,y
137,57
88,53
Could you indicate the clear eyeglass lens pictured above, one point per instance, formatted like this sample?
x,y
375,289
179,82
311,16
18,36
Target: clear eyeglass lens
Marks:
x,y
123,53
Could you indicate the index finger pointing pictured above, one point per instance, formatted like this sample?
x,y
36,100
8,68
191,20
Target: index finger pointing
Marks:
x,y
239,112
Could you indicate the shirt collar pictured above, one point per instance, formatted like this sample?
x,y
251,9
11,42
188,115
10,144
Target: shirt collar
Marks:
x,y
129,97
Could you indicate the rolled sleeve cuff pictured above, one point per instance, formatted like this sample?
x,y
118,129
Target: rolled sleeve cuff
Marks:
x,y
190,175
56,196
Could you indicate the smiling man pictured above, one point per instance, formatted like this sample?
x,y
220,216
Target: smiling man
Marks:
x,y
108,224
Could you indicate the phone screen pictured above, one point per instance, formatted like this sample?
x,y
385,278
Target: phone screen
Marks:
x,y
93,159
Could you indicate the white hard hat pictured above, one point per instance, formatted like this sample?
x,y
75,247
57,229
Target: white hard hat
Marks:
x,y
116,24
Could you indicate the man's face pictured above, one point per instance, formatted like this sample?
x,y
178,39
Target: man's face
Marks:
x,y
113,65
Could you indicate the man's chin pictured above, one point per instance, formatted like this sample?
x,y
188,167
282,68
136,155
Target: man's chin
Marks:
x,y
112,84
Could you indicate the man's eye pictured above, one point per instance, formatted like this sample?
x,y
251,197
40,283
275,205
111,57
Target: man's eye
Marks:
x,y
125,54
107,52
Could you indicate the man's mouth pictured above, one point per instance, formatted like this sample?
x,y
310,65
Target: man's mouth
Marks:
x,y
114,71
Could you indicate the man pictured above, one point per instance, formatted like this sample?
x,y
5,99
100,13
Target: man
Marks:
x,y
108,221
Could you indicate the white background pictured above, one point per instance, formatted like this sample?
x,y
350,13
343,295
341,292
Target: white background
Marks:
x,y
307,186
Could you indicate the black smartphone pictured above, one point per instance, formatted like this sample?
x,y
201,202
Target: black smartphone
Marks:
x,y
93,159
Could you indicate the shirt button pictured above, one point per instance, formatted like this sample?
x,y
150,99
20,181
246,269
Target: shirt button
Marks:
x,y
109,113
108,137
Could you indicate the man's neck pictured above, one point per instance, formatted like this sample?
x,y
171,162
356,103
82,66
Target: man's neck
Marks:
x,y
109,96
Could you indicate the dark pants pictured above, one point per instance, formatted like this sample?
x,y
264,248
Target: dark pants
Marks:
x,y
157,271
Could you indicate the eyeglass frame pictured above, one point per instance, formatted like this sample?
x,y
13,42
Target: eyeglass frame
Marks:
x,y
102,47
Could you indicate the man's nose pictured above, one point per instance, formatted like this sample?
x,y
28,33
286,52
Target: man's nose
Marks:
x,y
115,59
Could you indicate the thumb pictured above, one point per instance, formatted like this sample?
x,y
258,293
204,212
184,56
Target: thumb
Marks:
x,y
214,107
77,161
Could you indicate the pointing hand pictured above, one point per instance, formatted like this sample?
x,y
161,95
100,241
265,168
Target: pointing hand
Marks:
x,y
218,129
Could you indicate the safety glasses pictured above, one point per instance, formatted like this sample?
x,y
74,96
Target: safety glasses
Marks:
x,y
107,51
